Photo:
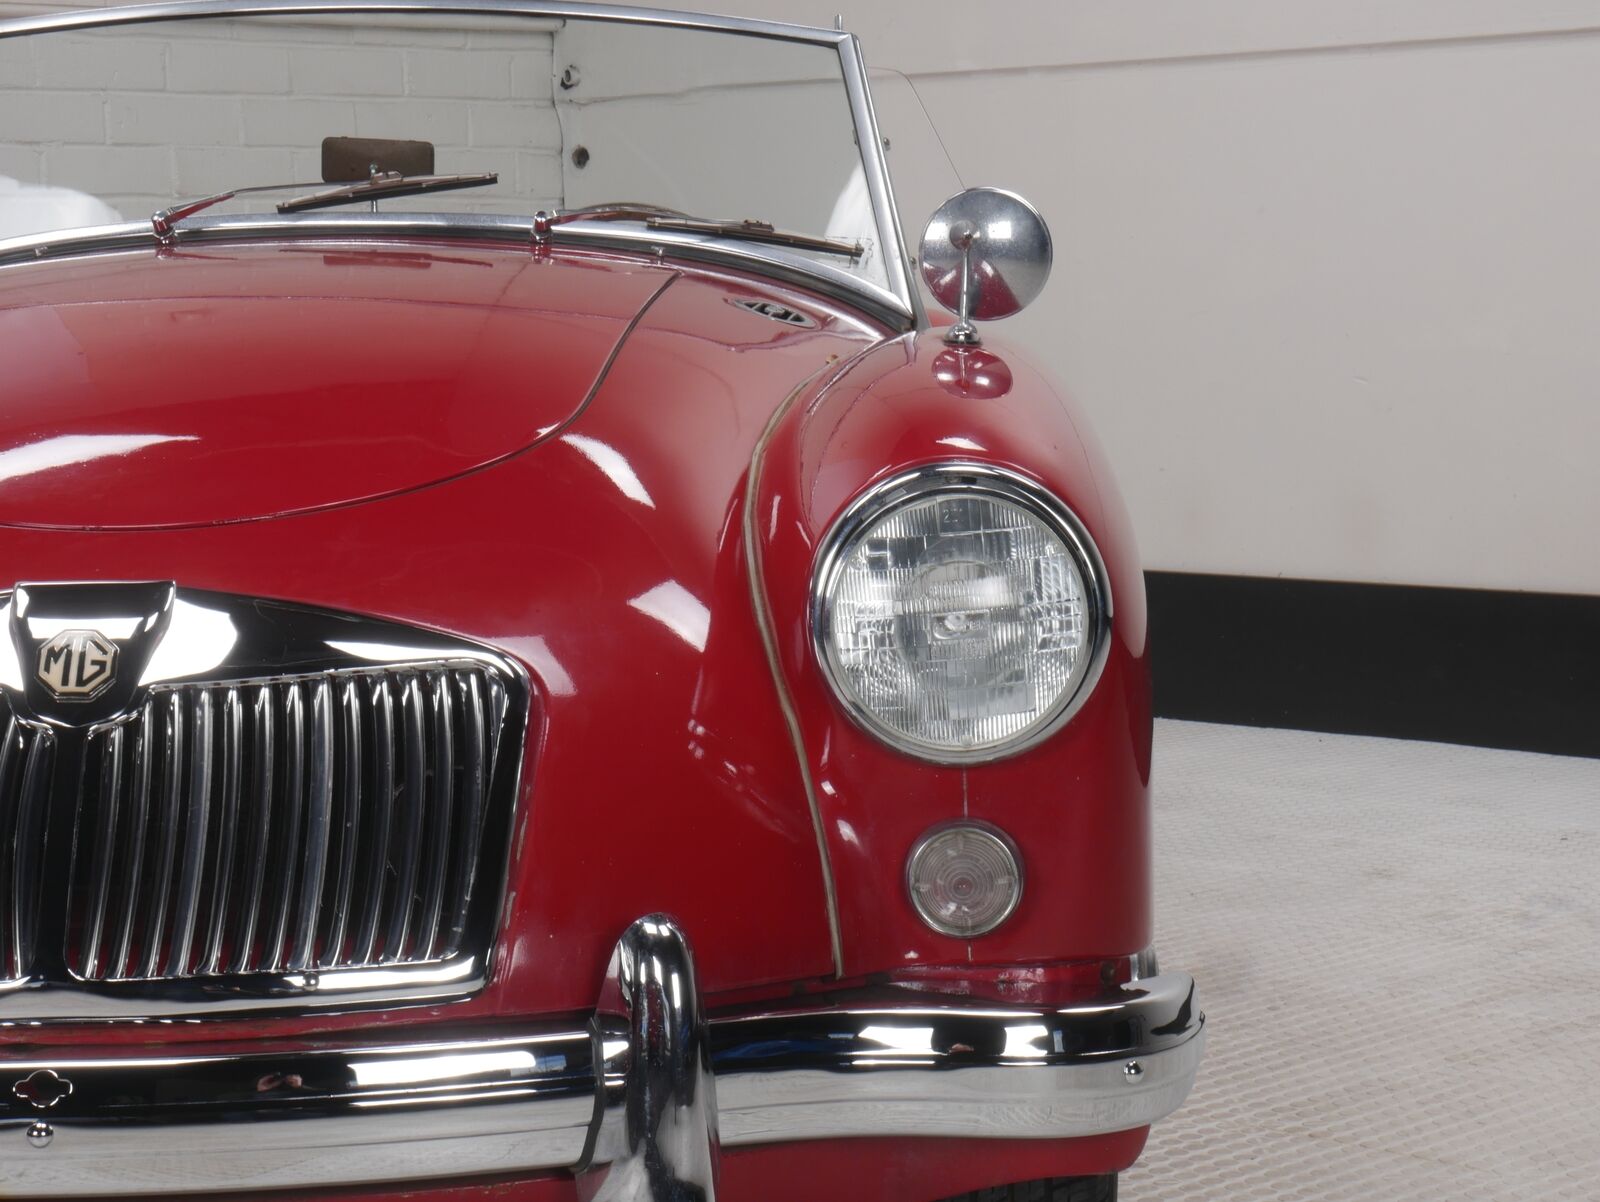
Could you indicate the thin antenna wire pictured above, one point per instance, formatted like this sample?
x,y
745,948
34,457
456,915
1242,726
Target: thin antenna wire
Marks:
x,y
928,117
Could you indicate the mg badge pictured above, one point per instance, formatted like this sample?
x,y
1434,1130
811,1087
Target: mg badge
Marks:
x,y
77,665
82,648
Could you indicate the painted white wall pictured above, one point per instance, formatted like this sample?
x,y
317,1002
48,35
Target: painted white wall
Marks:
x,y
1328,273
1327,270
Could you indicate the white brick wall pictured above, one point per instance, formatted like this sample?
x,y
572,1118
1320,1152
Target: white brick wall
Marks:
x,y
18,162
184,109
317,71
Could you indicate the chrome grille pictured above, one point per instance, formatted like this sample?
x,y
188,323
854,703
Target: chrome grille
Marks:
x,y
308,822
25,758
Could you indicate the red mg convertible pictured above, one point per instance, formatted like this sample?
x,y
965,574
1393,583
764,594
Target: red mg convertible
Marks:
x,y
531,667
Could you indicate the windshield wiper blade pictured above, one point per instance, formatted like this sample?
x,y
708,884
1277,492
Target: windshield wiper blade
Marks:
x,y
386,184
758,231
390,183
658,218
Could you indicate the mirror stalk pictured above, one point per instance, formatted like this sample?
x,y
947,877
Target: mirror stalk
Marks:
x,y
962,235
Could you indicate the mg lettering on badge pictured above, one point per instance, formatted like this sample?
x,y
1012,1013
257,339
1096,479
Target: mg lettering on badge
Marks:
x,y
77,665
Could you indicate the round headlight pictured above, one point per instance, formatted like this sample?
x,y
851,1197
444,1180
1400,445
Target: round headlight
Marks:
x,y
960,612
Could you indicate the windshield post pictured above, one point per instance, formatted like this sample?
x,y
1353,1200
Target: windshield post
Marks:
x,y
876,165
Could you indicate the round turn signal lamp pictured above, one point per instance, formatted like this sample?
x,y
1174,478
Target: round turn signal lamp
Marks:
x,y
965,878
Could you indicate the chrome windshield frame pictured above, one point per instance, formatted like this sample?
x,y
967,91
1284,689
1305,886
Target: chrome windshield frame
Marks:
x,y
774,262
901,291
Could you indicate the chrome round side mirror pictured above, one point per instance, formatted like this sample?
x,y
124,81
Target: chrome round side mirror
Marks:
x,y
985,254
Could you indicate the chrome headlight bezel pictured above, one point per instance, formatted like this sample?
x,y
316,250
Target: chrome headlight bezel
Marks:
x,y
955,478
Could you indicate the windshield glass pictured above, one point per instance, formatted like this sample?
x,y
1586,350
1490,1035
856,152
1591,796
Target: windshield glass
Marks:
x,y
110,124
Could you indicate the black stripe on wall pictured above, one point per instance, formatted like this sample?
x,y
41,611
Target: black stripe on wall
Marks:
x,y
1495,669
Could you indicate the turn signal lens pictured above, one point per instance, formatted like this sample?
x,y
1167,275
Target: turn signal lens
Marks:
x,y
965,879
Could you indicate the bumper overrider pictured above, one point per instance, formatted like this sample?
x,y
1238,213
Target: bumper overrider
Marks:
x,y
637,1103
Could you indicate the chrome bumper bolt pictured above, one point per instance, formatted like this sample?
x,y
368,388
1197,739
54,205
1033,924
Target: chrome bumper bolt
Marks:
x,y
1132,1071
40,1134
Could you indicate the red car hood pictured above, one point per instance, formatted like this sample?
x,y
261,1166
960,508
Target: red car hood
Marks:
x,y
227,384
659,773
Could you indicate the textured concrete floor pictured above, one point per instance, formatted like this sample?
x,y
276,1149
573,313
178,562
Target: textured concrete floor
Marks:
x,y
1398,948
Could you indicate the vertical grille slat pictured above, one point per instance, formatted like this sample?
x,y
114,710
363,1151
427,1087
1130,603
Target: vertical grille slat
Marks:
x,y
292,793
263,748
8,817
475,748
170,752
383,725
185,913
350,820
25,860
12,752
499,702
100,870
319,820
133,849
409,830
336,819
228,830
439,822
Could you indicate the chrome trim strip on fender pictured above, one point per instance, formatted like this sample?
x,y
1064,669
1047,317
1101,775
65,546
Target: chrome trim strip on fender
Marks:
x,y
762,607
631,1090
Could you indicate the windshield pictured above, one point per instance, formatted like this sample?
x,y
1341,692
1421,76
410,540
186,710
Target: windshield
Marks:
x,y
110,124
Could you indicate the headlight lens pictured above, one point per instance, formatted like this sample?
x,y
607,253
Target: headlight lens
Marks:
x,y
960,612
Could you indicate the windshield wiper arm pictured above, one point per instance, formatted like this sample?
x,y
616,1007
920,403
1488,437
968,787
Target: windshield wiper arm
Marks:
x,y
386,184
390,183
162,220
657,218
758,231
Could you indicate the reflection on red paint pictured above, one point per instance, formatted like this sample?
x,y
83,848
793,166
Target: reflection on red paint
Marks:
x,y
971,372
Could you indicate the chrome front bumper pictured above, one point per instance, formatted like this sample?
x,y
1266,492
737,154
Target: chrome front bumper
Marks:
x,y
637,1104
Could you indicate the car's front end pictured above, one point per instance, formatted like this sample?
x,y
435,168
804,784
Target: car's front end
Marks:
x,y
467,732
